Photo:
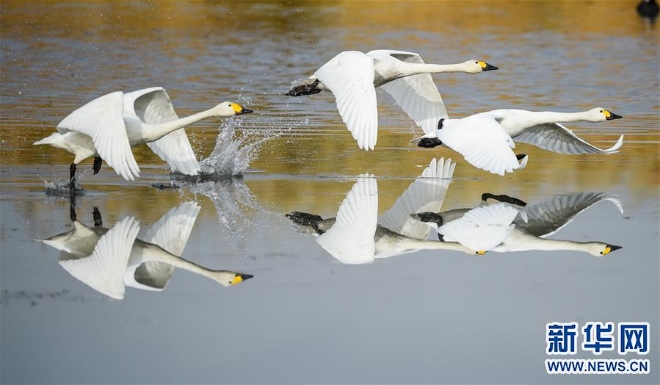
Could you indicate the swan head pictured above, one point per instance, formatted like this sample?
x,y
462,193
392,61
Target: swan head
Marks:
x,y
476,66
601,249
600,114
230,278
230,109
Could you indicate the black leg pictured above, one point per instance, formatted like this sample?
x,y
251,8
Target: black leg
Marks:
x,y
97,164
72,176
72,209
98,221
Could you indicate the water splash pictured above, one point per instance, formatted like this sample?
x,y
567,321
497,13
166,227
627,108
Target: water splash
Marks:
x,y
231,199
60,188
232,155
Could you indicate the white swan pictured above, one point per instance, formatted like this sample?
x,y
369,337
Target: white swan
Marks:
x,y
355,235
107,127
541,129
482,142
108,260
353,76
534,222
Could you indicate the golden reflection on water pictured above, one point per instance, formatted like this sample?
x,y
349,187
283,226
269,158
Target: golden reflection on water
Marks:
x,y
194,47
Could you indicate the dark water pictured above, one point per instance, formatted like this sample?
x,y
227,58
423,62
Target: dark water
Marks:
x,y
424,317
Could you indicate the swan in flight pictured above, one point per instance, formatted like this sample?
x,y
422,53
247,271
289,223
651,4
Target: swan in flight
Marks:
x,y
541,129
108,260
529,229
108,127
353,77
357,235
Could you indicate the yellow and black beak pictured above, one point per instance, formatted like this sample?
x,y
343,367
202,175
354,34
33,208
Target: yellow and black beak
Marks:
x,y
487,67
240,278
610,248
610,115
240,110
481,252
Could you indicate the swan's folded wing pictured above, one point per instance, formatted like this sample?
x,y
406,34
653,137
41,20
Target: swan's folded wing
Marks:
x,y
557,138
425,194
482,142
101,119
104,270
350,77
482,228
547,217
351,238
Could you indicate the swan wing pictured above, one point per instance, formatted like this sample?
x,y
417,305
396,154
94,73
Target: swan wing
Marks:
x,y
557,138
101,119
417,95
104,269
171,233
351,238
350,77
425,194
547,217
154,106
482,228
482,142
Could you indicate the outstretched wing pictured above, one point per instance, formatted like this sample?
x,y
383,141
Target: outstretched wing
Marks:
x,y
101,119
425,194
104,270
547,217
482,142
417,95
351,238
171,233
557,138
153,106
350,77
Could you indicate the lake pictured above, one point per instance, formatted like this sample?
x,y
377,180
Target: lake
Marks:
x,y
430,316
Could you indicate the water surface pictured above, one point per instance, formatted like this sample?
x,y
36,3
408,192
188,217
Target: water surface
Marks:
x,y
425,317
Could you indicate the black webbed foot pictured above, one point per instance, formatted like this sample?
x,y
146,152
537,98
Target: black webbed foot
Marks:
x,y
428,217
429,142
305,89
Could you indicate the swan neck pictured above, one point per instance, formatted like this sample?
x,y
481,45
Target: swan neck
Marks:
x,y
435,245
420,68
533,243
153,132
557,117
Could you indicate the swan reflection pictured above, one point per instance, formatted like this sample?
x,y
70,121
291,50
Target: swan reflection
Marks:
x,y
109,259
512,225
357,235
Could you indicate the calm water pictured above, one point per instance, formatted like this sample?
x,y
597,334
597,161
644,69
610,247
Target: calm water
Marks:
x,y
425,317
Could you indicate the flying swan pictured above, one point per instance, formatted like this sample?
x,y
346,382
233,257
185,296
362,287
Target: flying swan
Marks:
x,y
353,77
541,129
108,127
